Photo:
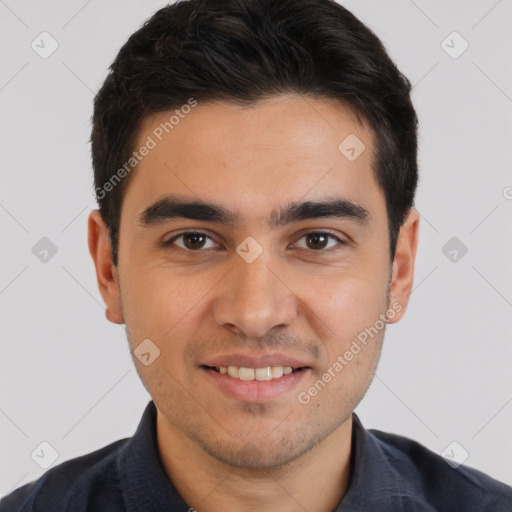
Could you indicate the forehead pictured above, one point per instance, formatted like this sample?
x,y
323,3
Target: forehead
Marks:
x,y
253,158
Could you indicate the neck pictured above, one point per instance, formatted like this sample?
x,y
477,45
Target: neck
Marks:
x,y
210,485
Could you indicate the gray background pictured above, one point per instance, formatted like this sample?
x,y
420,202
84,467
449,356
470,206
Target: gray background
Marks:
x,y
66,373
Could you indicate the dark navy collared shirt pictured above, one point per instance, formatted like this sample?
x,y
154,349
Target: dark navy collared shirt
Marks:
x,y
389,473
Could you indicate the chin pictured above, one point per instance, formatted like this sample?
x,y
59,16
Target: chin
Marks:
x,y
262,454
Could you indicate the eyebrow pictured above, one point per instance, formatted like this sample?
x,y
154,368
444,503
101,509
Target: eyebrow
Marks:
x,y
172,207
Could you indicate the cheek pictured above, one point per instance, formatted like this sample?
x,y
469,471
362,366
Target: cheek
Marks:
x,y
347,303
162,308
352,335
164,305
351,328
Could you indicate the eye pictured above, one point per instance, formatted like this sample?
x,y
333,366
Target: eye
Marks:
x,y
191,241
320,241
196,241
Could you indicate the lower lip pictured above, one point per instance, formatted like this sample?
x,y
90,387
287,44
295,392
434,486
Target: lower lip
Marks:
x,y
255,390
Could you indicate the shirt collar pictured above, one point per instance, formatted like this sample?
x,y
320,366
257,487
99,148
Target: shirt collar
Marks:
x,y
380,476
144,483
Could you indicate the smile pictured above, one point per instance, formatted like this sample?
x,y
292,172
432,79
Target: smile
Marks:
x,y
262,384
265,373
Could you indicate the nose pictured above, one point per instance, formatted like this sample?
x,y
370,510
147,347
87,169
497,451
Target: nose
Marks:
x,y
254,298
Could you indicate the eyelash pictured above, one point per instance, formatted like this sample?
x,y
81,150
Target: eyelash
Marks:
x,y
169,244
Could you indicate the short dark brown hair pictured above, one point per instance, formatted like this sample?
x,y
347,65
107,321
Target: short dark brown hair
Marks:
x,y
243,51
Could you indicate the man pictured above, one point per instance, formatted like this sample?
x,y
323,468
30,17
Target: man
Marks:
x,y
255,168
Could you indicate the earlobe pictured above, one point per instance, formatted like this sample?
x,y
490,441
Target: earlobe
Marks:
x,y
106,274
403,264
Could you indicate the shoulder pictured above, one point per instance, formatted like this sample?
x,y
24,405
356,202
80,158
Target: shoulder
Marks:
x,y
74,485
445,487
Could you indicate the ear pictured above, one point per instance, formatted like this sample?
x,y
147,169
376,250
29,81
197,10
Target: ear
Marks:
x,y
106,272
402,274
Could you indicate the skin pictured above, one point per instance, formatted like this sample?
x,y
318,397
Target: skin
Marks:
x,y
309,303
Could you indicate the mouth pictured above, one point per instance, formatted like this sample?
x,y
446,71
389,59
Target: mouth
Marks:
x,y
262,384
261,374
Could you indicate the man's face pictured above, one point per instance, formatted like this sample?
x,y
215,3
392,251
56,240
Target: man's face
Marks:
x,y
262,290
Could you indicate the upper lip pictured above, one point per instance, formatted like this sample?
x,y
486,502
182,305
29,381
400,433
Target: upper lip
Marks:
x,y
255,361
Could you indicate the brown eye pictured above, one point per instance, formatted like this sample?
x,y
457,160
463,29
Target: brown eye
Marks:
x,y
319,241
191,241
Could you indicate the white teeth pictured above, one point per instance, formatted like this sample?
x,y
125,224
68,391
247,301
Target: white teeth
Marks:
x,y
246,373
263,373
266,373
233,371
277,371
